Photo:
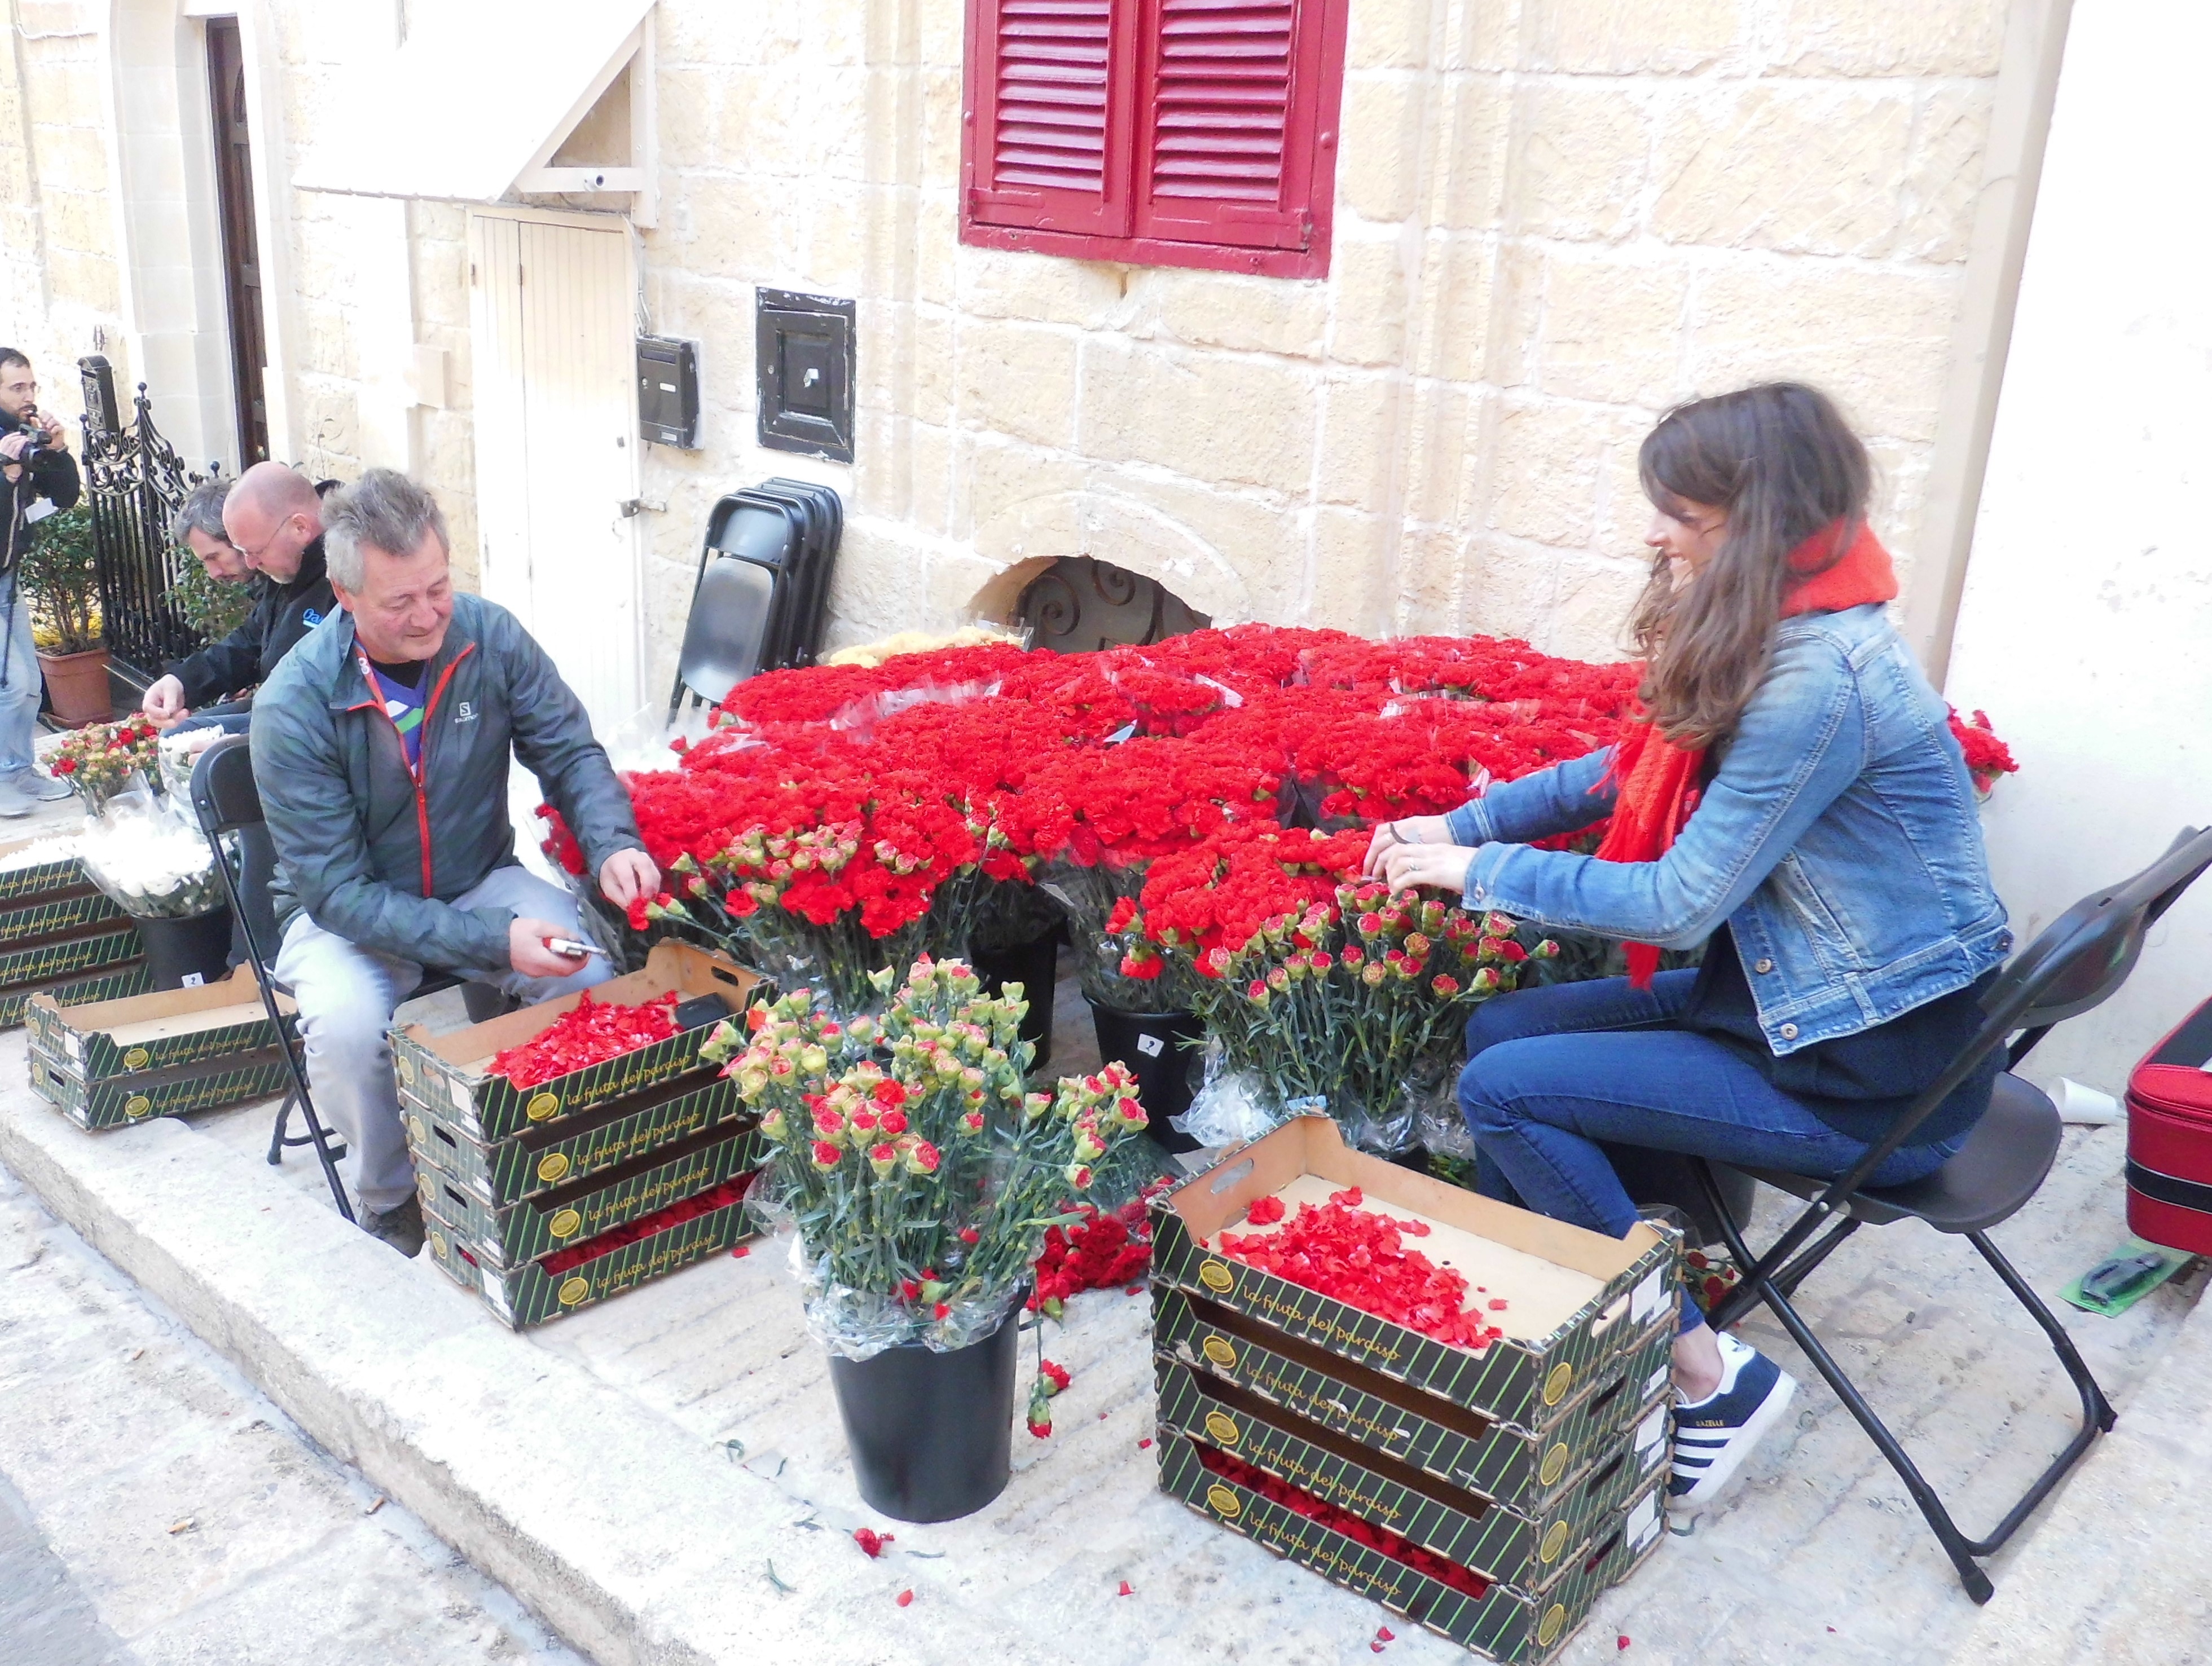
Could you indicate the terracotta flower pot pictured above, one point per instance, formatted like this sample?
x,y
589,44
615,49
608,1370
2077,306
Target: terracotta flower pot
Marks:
x,y
77,684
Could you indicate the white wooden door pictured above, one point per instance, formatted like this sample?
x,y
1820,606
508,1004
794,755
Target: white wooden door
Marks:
x,y
556,446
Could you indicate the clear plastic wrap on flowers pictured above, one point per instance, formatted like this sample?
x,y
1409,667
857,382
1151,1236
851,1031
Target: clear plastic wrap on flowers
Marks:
x,y
152,862
916,1175
1433,1090
1231,1106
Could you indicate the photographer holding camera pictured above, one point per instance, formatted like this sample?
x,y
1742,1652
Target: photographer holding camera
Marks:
x,y
40,477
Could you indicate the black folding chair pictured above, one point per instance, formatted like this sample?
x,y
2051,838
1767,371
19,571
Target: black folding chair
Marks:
x,y
2079,960
227,800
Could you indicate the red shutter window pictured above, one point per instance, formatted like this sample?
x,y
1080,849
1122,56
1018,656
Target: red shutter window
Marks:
x,y
1162,132
1047,115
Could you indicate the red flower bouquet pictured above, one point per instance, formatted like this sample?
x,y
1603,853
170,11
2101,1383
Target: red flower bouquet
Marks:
x,y
921,1178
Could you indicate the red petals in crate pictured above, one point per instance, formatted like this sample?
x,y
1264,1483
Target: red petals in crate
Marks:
x,y
1346,1252
1264,1212
730,1192
590,1032
1256,1479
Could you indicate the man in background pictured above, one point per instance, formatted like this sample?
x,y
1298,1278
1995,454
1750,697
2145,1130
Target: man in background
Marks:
x,y
273,517
381,746
40,477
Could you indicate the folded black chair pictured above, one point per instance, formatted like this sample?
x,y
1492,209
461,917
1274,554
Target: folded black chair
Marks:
x,y
762,589
227,800
2079,960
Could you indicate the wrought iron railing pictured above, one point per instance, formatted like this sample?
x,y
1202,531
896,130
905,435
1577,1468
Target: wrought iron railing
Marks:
x,y
134,482
1080,605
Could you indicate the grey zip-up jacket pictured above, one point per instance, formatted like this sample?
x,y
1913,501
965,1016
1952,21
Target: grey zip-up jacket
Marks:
x,y
375,854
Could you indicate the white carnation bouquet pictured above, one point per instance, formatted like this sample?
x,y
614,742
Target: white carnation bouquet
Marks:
x,y
153,862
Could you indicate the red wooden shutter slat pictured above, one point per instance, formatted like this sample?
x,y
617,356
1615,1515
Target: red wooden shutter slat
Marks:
x,y
1045,119
1217,115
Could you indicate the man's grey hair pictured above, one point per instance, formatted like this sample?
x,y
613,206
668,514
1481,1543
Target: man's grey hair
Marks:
x,y
383,510
202,512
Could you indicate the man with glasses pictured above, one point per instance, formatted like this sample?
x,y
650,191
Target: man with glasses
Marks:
x,y
274,519
40,477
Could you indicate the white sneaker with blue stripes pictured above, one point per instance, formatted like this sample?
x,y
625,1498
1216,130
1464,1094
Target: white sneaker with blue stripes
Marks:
x,y
1714,1435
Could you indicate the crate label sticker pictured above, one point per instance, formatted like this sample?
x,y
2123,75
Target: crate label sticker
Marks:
x,y
1151,1046
405,1066
1651,1383
137,1106
1652,1429
574,1290
1226,1504
1220,1353
458,1091
427,1187
1555,1464
1216,1277
1223,1427
1555,1617
1647,1296
1555,1385
417,1131
438,1245
1644,1517
564,1224
194,979
542,1105
1554,1542
75,1045
551,1166
137,1059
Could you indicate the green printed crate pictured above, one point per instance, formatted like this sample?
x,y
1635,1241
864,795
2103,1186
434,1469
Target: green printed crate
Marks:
x,y
120,1100
1527,1550
115,1038
527,1295
26,969
51,916
584,1209
1516,1379
131,978
41,878
453,1070
1511,1626
504,1171
1521,1470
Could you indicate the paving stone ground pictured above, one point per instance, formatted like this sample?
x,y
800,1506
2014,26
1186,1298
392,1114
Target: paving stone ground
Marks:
x,y
1819,1557
157,1510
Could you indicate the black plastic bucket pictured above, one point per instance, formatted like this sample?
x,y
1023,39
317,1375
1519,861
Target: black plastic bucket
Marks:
x,y
931,1434
1162,1049
1035,967
187,952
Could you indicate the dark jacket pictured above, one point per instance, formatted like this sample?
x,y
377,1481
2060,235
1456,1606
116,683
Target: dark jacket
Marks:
x,y
375,858
281,614
51,473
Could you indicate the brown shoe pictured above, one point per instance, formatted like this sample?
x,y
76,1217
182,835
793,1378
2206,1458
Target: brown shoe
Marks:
x,y
400,1227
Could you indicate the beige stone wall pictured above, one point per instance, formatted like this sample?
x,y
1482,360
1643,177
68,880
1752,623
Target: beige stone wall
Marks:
x,y
1553,218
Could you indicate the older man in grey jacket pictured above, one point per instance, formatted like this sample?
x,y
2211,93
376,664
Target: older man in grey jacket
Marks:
x,y
381,746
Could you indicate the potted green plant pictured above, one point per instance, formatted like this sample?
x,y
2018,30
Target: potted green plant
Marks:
x,y
60,579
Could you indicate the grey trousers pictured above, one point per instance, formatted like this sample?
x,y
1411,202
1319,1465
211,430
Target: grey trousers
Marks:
x,y
346,994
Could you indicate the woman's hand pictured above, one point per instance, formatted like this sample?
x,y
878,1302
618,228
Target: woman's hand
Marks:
x,y
1414,830
1442,866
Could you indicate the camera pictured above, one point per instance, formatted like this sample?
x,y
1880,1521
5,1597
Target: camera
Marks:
x,y
35,436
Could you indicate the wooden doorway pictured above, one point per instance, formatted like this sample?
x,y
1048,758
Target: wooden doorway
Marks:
x,y
241,258
553,340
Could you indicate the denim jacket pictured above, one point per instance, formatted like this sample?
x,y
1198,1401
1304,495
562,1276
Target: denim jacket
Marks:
x,y
1839,840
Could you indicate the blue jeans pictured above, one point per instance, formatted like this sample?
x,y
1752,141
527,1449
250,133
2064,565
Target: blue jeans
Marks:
x,y
20,688
1553,1072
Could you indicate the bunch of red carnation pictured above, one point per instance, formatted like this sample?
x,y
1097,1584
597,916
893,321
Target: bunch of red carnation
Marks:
x,y
1099,1251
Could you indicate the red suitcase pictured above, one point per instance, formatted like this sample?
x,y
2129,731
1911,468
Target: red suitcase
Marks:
x,y
2170,1139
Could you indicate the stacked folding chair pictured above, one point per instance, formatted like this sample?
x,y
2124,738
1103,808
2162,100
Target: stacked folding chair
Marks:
x,y
763,589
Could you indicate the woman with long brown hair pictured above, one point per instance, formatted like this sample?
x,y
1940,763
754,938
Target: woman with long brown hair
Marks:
x,y
1793,800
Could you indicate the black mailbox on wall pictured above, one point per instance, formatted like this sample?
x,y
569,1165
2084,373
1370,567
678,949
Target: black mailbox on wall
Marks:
x,y
668,391
804,344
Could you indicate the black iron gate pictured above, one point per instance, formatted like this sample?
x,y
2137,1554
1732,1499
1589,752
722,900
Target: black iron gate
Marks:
x,y
134,482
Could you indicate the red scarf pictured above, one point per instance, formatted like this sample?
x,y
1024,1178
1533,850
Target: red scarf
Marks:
x,y
1659,780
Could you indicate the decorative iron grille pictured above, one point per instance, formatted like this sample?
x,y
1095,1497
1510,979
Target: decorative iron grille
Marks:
x,y
1080,605
134,482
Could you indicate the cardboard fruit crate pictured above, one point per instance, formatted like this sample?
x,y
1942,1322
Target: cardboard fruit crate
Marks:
x,y
1511,1626
1526,1550
504,1172
116,1101
110,983
113,1037
1576,1299
39,878
526,1295
507,1237
453,1070
53,916
1522,1470
27,968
